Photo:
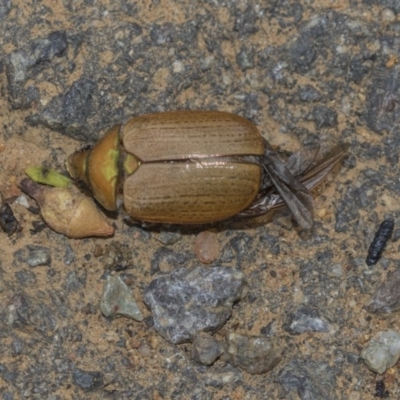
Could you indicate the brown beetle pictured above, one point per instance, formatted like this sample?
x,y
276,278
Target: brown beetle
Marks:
x,y
196,167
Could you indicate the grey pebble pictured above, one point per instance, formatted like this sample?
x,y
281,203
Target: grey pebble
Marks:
x,y
29,312
309,379
382,352
17,346
5,7
69,255
309,93
188,301
168,236
245,58
254,354
323,116
118,300
305,319
166,258
206,349
69,112
387,297
87,380
34,256
380,112
26,277
221,379
19,65
75,280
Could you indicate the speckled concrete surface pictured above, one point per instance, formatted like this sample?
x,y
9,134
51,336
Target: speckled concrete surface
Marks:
x,y
304,72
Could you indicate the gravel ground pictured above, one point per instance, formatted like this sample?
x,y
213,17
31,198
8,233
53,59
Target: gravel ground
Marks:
x,y
304,72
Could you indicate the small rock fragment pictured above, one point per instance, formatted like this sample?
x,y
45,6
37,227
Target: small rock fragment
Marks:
x,y
33,255
8,222
5,7
382,352
169,236
206,349
87,380
221,379
206,247
187,301
165,259
25,312
68,112
323,116
305,319
309,93
387,297
254,354
309,379
118,300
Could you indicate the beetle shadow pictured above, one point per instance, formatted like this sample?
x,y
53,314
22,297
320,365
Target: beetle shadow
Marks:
x,y
246,223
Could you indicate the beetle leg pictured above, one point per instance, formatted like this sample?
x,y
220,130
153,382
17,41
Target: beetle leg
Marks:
x,y
294,192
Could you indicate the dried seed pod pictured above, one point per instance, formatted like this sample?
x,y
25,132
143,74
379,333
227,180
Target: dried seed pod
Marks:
x,y
377,246
68,211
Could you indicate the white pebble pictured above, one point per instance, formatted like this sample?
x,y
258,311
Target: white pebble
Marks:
x,y
22,201
382,352
177,66
387,15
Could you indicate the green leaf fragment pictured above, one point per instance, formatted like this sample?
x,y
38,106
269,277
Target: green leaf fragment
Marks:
x,y
48,177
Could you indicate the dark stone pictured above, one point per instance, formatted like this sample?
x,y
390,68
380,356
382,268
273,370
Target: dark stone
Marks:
x,y
75,280
302,54
309,93
347,210
69,256
24,64
5,7
26,277
27,311
168,256
17,346
310,379
206,349
245,58
241,244
272,243
69,112
33,255
161,34
323,116
254,354
44,50
87,380
9,377
245,21
382,112
387,297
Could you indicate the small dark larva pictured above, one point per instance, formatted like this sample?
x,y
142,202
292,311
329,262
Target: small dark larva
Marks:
x,y
377,246
380,390
8,223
